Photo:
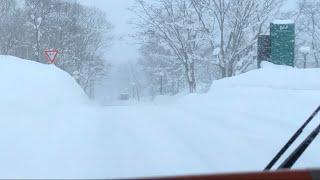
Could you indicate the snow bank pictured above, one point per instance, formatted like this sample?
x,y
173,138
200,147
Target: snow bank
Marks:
x,y
46,129
275,77
30,83
244,120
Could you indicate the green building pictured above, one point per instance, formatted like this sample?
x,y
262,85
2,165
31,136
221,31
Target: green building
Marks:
x,y
282,36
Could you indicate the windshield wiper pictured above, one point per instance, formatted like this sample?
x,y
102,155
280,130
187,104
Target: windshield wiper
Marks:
x,y
289,162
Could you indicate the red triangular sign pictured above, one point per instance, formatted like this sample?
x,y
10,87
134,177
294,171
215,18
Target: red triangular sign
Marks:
x,y
51,55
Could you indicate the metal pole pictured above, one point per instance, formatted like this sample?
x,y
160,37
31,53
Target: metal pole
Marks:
x,y
161,85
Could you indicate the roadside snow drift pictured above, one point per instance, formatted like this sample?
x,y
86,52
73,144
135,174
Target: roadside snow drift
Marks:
x,y
244,120
44,131
274,77
238,126
29,83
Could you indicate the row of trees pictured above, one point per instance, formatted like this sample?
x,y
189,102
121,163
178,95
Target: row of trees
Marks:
x,y
80,34
186,44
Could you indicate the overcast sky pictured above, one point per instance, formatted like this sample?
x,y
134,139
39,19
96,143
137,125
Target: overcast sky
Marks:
x,y
289,5
123,49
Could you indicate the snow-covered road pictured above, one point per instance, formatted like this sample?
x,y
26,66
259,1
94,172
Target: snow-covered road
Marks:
x,y
238,126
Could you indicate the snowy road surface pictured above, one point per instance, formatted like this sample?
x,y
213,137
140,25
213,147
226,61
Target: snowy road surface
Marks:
x,y
239,125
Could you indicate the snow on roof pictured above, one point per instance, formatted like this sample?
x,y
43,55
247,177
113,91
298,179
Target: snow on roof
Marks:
x,y
288,21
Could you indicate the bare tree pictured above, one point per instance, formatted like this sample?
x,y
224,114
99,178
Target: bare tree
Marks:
x,y
308,28
176,24
239,24
8,23
80,34
37,11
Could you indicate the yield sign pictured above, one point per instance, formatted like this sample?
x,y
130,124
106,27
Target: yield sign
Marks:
x,y
51,55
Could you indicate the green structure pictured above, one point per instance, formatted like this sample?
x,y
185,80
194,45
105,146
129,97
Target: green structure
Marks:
x,y
282,35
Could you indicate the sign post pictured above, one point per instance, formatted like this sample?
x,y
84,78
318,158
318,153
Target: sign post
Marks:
x,y
51,55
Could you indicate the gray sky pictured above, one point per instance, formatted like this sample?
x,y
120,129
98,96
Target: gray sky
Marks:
x,y
123,49
289,5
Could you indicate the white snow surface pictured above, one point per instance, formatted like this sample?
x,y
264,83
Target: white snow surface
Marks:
x,y
28,83
49,130
285,21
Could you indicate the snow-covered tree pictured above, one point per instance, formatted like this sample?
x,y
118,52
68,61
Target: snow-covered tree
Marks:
x,y
80,34
9,23
308,30
206,39
175,25
237,25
